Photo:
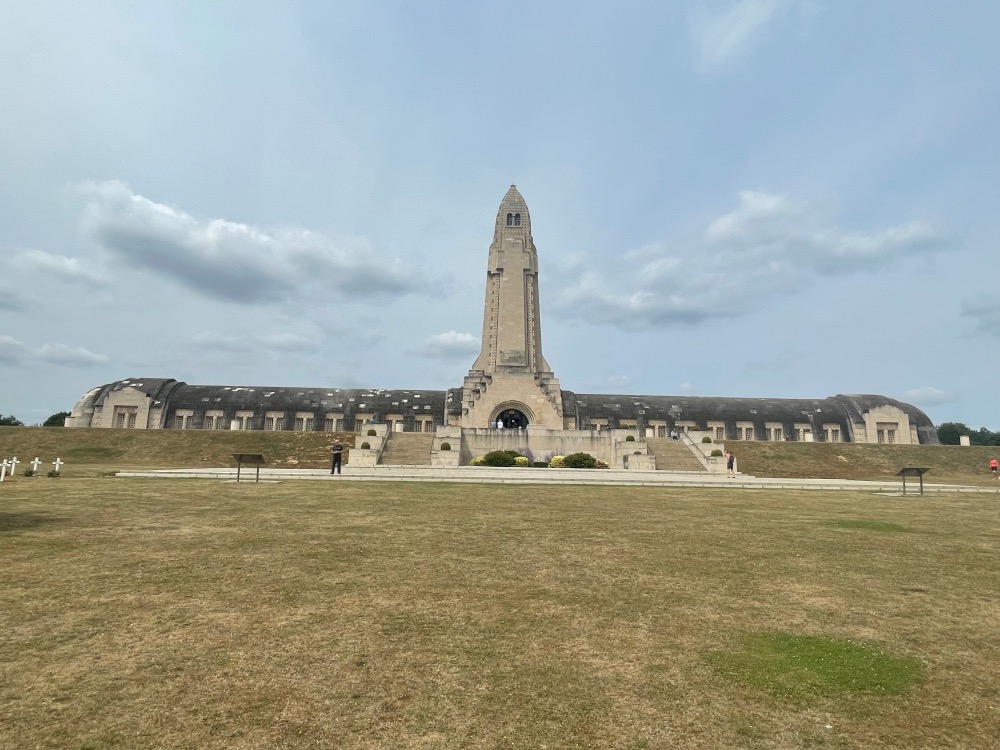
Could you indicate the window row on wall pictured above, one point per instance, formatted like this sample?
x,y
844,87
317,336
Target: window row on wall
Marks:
x,y
770,431
277,421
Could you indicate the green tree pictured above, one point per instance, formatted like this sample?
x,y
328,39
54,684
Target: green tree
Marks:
x,y
949,432
56,420
10,421
982,436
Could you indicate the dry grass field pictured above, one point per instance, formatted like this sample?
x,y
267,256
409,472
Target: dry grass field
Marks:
x,y
199,614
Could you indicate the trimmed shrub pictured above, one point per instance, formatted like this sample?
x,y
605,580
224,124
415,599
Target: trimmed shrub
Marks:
x,y
53,474
446,446
366,445
500,458
556,461
706,439
630,438
579,461
637,453
29,472
716,452
521,460
540,464
477,461
372,432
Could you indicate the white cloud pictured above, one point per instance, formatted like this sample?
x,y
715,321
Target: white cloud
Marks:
x,y
58,266
928,396
592,298
985,312
781,232
724,34
450,345
62,354
230,261
14,352
770,243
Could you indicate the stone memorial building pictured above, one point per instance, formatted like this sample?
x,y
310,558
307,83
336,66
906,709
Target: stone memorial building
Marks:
x,y
509,397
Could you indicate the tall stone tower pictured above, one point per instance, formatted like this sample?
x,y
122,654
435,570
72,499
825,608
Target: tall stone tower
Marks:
x,y
510,379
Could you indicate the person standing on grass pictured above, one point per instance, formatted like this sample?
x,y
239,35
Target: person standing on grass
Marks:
x,y
730,464
337,451
994,466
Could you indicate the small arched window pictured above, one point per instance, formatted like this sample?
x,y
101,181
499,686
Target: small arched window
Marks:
x,y
517,220
510,220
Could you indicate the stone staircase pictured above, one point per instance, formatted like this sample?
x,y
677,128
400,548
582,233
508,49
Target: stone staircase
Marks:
x,y
673,455
408,449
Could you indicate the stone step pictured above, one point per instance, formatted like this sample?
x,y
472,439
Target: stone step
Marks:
x,y
673,455
408,449
514,475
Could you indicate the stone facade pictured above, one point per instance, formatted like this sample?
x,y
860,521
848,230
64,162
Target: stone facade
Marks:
x,y
510,375
510,381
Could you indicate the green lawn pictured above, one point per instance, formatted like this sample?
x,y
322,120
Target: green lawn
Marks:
x,y
199,614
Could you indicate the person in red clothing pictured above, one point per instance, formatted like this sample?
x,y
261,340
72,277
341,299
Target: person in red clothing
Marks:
x,y
994,466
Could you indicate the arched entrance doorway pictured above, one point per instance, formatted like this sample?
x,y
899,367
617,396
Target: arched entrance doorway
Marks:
x,y
512,419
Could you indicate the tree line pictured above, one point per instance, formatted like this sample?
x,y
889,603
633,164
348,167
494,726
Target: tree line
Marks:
x,y
950,432
56,420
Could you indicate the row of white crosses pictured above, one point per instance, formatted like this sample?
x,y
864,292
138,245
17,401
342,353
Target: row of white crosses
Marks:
x,y
9,467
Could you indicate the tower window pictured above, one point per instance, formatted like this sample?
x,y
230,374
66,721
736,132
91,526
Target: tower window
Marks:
x,y
510,220
517,220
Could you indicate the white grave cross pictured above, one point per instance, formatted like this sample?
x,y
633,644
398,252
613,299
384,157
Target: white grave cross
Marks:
x,y
34,465
13,465
57,463
3,469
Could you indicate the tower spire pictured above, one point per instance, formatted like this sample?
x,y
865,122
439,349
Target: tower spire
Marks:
x,y
510,378
512,331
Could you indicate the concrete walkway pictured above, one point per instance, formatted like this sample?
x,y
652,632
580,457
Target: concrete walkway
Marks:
x,y
521,475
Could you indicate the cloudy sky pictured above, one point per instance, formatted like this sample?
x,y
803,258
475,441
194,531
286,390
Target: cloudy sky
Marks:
x,y
791,198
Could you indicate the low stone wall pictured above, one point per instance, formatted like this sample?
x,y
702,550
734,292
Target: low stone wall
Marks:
x,y
540,444
368,456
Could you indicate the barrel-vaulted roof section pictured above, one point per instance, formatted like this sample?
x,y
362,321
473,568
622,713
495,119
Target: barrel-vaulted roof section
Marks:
x,y
345,401
841,409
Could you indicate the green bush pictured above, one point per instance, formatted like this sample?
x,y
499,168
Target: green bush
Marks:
x,y
579,461
630,438
446,446
29,472
372,432
53,474
366,445
500,458
706,439
716,452
556,461
637,453
477,461
521,460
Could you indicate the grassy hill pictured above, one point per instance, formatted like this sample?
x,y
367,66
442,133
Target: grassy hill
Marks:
x,y
119,449
947,463
109,449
